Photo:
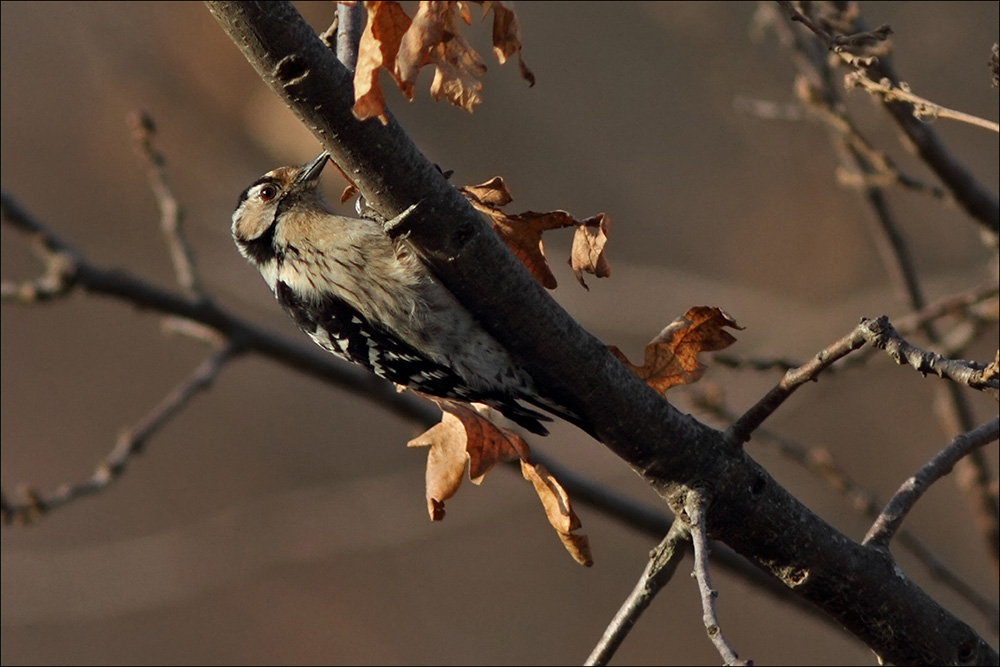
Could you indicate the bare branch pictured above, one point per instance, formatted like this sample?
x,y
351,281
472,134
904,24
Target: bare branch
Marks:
x,y
171,213
978,376
697,515
923,108
350,23
743,427
975,304
130,443
663,562
891,518
60,259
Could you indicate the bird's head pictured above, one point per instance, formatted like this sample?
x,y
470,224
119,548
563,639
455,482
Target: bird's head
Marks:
x,y
278,193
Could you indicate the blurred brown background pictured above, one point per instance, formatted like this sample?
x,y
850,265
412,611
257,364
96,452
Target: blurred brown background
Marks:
x,y
278,520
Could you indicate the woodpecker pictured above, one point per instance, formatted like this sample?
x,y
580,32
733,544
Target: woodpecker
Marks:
x,y
371,300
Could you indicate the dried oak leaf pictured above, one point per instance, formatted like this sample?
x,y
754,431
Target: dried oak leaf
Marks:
x,y
559,511
404,46
672,357
507,37
588,248
522,232
434,39
379,46
463,436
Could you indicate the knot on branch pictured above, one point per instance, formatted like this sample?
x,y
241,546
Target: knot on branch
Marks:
x,y
878,331
291,70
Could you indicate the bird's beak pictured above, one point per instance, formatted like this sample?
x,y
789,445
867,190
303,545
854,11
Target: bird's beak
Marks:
x,y
312,170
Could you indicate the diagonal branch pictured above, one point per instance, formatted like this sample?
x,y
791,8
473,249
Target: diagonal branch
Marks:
x,y
663,563
171,214
743,428
696,507
673,452
130,444
891,518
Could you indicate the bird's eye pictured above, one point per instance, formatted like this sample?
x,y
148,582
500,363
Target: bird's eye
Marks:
x,y
268,192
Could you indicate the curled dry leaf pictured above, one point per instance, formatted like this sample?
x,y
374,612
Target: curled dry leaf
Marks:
x,y
387,23
672,357
559,511
507,37
433,37
446,461
522,232
463,436
588,248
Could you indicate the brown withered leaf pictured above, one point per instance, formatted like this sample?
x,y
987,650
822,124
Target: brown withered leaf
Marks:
x,y
559,511
433,37
672,357
463,436
522,232
379,46
493,193
507,37
446,461
588,248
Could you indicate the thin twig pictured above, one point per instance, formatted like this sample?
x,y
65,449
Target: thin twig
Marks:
x,y
977,376
891,518
130,443
59,258
696,508
741,430
349,27
663,562
171,213
821,94
820,462
923,108
965,304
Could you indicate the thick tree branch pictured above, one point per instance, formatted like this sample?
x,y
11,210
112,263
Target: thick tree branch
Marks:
x,y
673,453
203,319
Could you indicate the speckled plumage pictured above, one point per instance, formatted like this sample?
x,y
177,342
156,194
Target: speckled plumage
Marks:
x,y
370,299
